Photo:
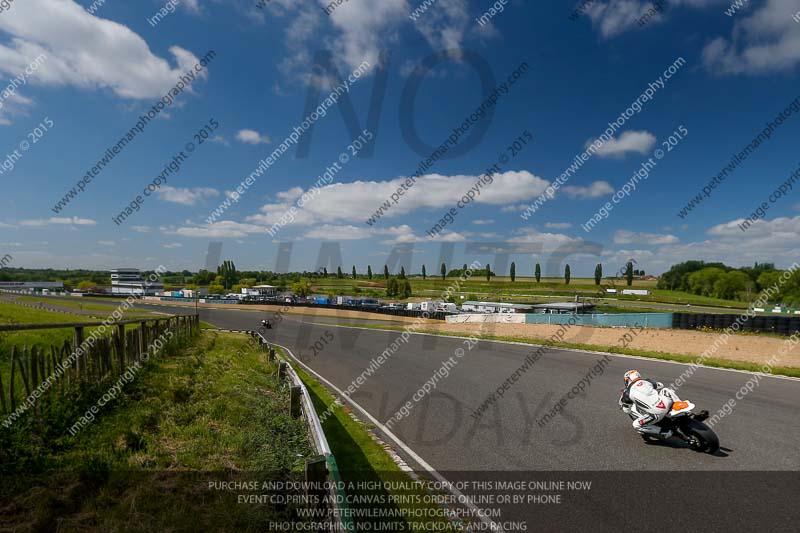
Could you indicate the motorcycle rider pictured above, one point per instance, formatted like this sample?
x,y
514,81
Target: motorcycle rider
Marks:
x,y
653,401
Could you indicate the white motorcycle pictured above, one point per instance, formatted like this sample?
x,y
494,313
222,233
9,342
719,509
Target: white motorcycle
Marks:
x,y
681,421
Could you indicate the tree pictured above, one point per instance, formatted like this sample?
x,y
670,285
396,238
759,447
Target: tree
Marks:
x,y
339,272
566,274
702,282
385,272
86,285
629,273
424,274
537,272
731,284
216,289
404,289
325,271
354,272
391,287
464,269
402,272
369,271
301,288
598,274
444,271
765,279
677,277
227,272
513,272
488,272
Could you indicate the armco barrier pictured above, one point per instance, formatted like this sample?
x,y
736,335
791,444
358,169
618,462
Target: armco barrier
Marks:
x,y
341,514
647,320
781,325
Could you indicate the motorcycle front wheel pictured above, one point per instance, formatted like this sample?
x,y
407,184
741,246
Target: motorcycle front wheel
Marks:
x,y
700,437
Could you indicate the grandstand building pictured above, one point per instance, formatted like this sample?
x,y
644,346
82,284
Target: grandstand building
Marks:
x,y
129,281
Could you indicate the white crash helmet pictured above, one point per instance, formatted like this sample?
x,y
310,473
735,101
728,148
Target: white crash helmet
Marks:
x,y
631,376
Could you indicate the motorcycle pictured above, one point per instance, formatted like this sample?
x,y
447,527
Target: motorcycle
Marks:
x,y
681,422
267,324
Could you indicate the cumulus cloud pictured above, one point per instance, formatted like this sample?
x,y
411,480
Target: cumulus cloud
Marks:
x,y
631,237
357,201
251,137
617,16
86,51
363,28
483,221
184,196
766,41
58,221
595,190
630,141
226,228
558,225
329,232
513,208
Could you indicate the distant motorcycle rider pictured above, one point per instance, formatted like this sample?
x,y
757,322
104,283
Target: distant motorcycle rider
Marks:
x,y
652,400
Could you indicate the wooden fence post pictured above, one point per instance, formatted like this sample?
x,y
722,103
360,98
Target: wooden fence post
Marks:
x,y
80,359
121,347
2,394
141,340
12,391
316,475
21,362
282,371
294,401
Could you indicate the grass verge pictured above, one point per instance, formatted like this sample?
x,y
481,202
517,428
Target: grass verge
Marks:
x,y
211,411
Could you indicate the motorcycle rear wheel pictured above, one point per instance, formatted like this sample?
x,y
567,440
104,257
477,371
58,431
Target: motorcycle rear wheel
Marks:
x,y
700,437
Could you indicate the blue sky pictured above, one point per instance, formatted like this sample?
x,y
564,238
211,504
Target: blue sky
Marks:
x,y
103,70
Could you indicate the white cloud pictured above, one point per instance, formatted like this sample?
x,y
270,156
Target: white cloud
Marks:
x,y
107,243
617,16
192,5
364,27
86,51
172,245
251,137
74,221
357,201
444,25
630,237
630,141
226,228
141,229
328,232
185,196
483,221
15,104
558,225
513,208
766,41
219,139
595,190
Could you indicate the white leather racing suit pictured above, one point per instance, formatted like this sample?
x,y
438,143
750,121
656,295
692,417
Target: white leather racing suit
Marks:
x,y
648,401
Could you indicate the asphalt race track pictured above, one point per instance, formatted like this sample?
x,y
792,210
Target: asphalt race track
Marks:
x,y
757,479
